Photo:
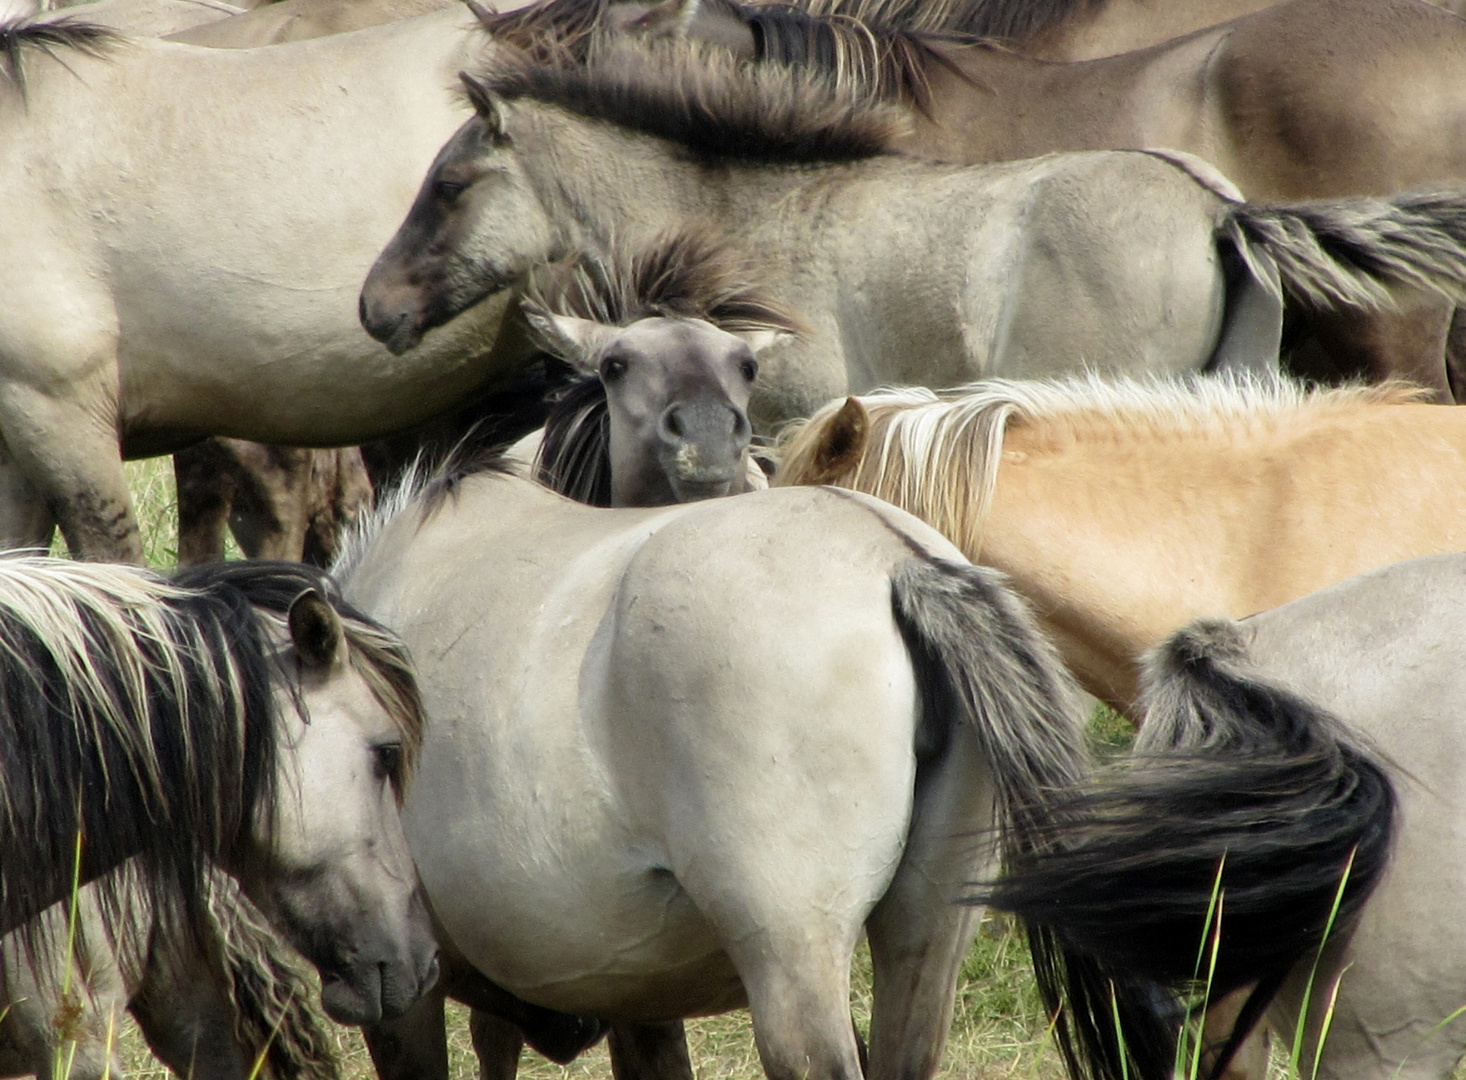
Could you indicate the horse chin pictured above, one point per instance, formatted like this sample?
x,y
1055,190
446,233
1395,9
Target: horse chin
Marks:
x,y
697,490
374,992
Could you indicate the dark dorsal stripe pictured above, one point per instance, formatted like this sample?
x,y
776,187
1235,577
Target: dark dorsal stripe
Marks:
x,y
711,104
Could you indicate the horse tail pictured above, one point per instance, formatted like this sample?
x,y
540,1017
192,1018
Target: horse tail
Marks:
x,y
1244,804
1350,251
979,660
274,1019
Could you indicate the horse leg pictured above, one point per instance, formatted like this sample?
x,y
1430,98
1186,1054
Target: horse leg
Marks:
x,y
650,1051
919,932
1408,343
497,1044
67,448
1250,1062
270,515
25,519
206,487
413,1046
341,494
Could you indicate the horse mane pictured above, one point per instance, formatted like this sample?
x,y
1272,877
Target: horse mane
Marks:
x,y
707,101
936,453
687,273
1005,21
141,714
49,37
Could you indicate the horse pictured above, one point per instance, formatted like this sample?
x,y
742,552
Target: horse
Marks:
x,y
656,884
665,341
126,286
1374,660
909,271
281,502
239,715
150,18
1124,509
1268,98
246,1004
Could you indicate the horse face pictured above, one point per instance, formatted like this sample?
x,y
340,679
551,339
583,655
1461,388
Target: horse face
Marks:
x,y
678,396
342,884
474,228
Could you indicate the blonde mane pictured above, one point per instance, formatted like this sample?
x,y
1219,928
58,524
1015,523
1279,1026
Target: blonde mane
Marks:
x,y
936,453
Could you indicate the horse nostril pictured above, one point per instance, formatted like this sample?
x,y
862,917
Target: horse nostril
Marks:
x,y
742,429
670,428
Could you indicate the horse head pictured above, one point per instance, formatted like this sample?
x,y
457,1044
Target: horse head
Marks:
x,y
677,394
475,227
331,868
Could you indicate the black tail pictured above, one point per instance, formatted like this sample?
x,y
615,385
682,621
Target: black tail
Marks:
x,y
1233,780
980,661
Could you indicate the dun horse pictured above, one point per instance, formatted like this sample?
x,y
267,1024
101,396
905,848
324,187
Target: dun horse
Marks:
x,y
1373,665
169,720
665,340
909,271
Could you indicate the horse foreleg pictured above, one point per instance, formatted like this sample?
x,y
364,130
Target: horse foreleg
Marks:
x,y
650,1051
25,519
206,487
1250,1062
271,513
919,932
67,449
414,1046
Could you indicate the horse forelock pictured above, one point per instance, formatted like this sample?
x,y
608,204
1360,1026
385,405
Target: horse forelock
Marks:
x,y
48,36
691,272
708,102
937,454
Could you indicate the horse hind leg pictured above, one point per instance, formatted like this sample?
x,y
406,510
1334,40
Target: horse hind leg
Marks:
x,y
919,933
650,1051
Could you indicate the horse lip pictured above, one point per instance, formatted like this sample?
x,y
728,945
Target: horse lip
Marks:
x,y
405,335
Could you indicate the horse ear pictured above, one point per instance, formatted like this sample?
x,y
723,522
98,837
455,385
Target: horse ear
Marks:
x,y
576,341
484,13
315,630
668,18
486,103
842,442
759,340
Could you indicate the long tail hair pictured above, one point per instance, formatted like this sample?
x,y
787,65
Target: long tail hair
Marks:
x,y
980,661
1241,796
1349,251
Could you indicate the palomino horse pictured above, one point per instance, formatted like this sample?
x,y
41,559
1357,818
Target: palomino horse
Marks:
x,y
239,715
134,309
211,1009
667,804
1124,510
909,271
666,341
1371,661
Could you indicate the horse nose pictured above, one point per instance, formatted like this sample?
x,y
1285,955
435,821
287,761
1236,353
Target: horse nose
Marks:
x,y
704,422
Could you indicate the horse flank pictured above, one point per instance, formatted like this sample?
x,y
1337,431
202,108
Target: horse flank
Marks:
x,y
712,104
936,454
51,38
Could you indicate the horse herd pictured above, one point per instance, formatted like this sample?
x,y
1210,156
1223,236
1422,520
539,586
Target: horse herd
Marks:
x,y
700,659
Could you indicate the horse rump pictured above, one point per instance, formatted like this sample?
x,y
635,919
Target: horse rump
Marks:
x,y
1246,811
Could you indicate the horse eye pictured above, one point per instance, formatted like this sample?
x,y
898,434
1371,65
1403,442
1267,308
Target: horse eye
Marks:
x,y
612,368
749,368
389,760
448,190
